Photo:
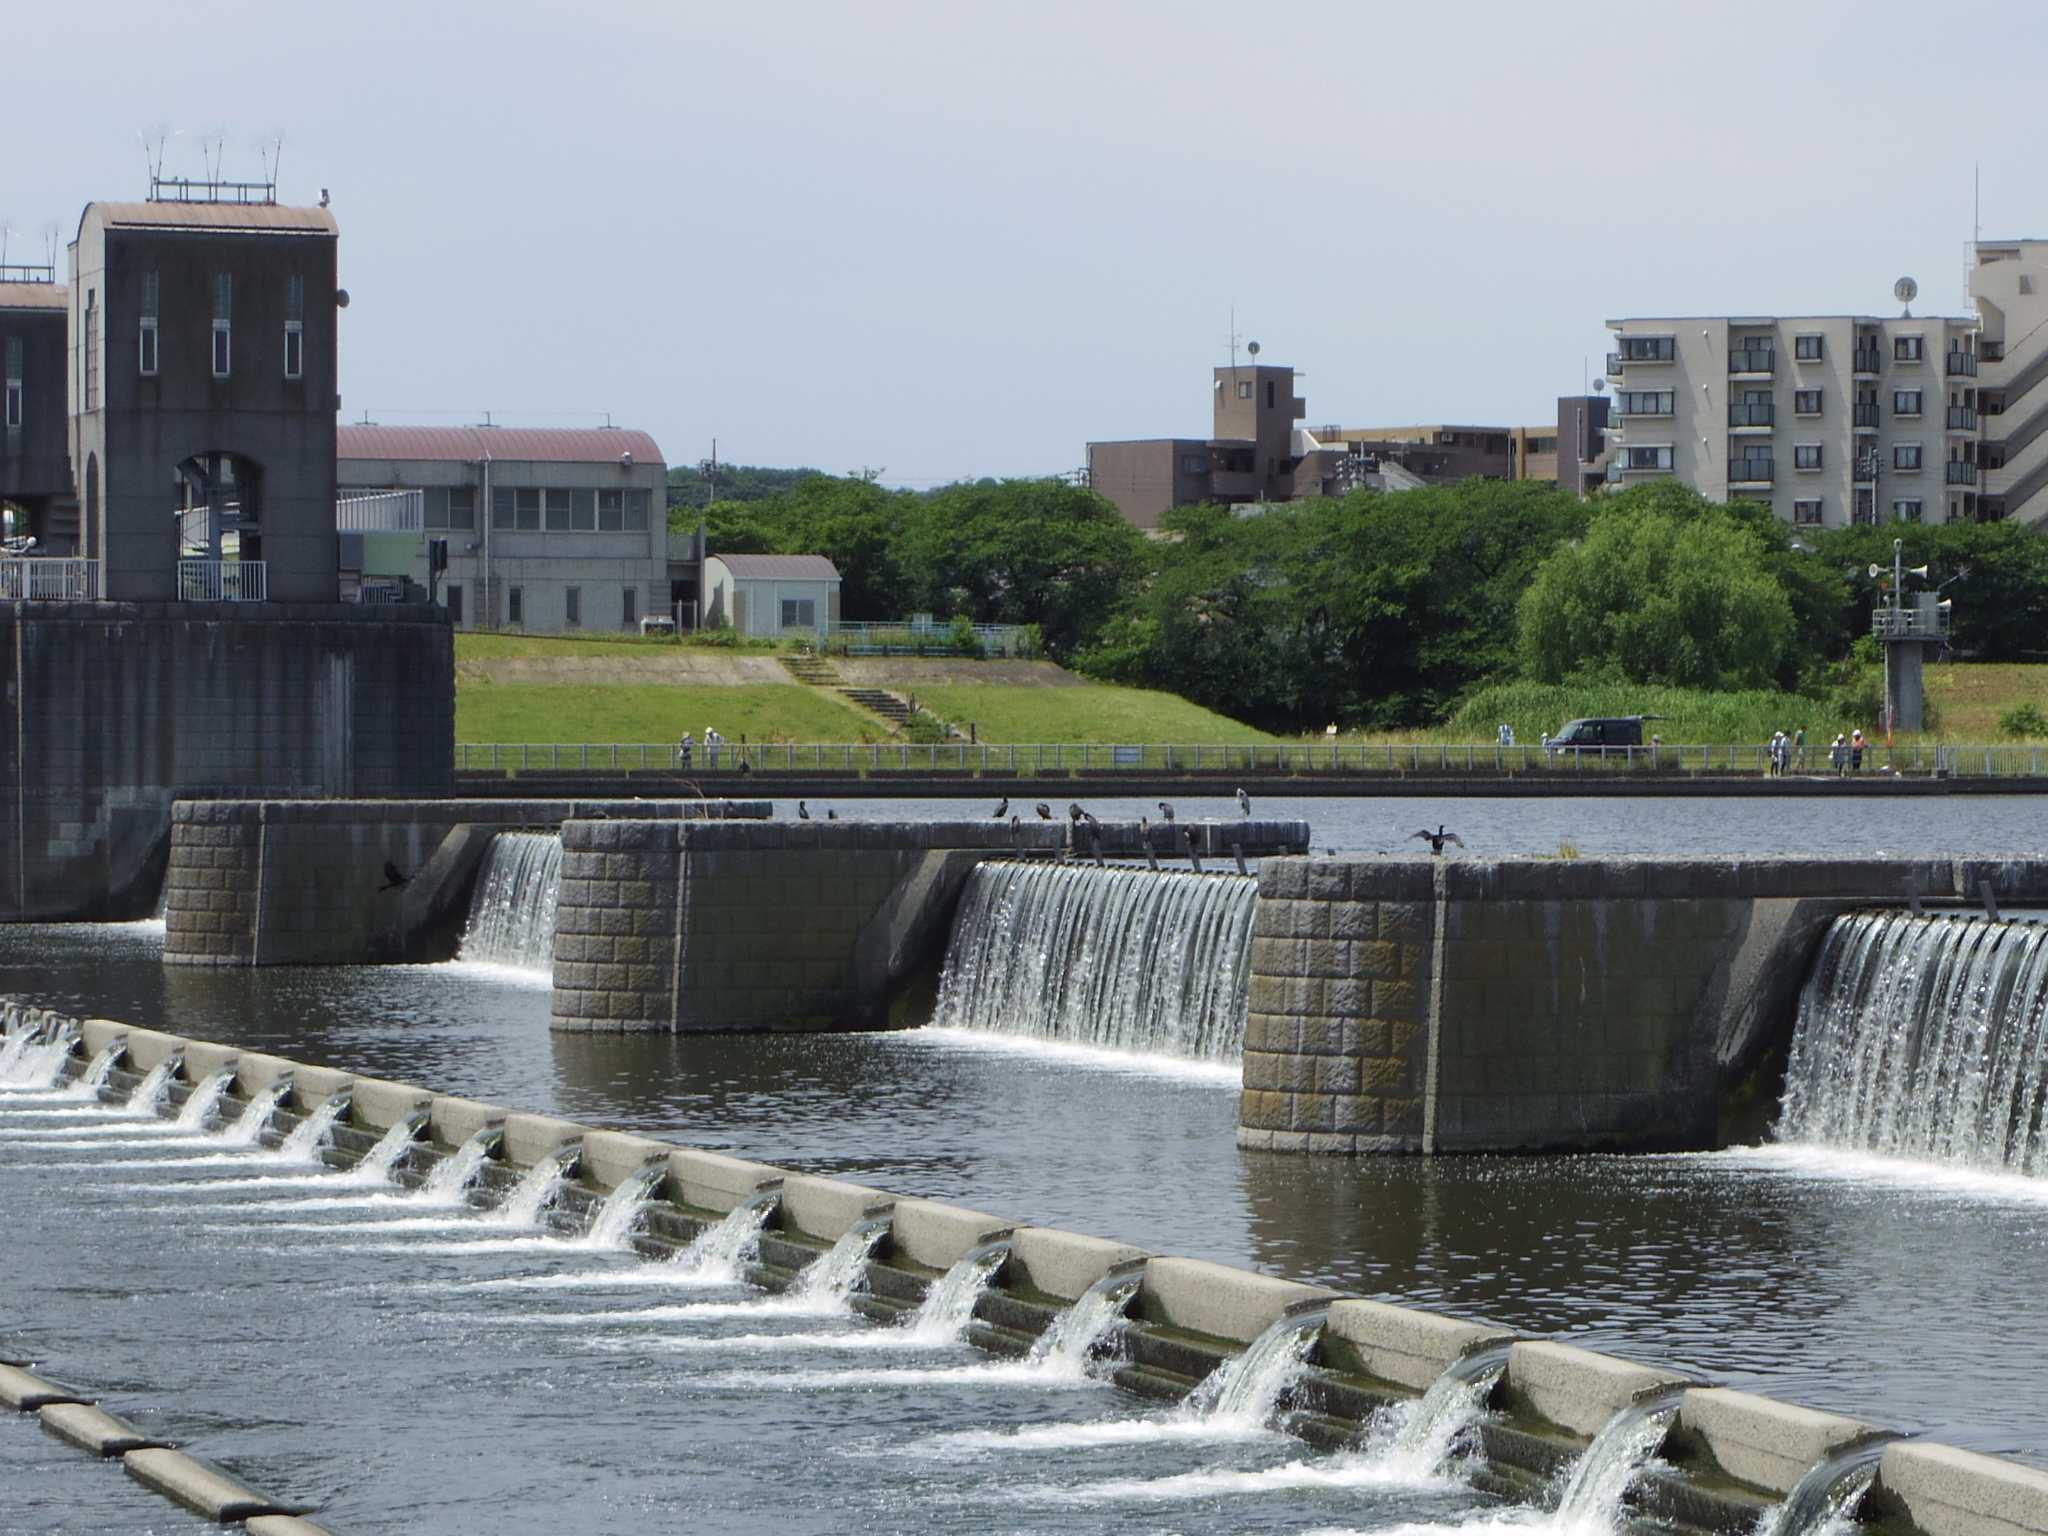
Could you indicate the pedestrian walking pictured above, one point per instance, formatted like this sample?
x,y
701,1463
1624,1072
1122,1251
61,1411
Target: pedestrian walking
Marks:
x,y
1799,749
1856,745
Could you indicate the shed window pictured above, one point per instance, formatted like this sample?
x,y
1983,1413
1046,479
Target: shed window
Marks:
x,y
799,613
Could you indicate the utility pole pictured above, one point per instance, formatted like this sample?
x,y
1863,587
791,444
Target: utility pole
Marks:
x,y
710,471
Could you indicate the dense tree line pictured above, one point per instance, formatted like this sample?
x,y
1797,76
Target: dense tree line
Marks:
x,y
1385,610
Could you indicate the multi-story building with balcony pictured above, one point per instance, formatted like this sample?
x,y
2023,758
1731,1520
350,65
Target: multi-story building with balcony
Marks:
x,y
35,466
2009,285
1830,419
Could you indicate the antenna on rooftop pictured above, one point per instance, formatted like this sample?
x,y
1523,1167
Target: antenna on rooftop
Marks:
x,y
271,148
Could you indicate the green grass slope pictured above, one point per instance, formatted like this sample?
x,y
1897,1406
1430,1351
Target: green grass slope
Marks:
x,y
1098,712
644,712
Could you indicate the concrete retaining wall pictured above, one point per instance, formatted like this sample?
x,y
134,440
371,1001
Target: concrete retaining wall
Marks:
x,y
1424,1005
302,882
111,710
765,925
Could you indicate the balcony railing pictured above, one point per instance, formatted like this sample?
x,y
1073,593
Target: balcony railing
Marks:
x,y
222,581
49,581
1962,418
1753,360
1751,471
1928,623
1961,472
1964,363
381,512
1867,360
1866,416
1751,415
1614,362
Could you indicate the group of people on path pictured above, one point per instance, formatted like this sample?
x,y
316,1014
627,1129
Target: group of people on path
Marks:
x,y
1788,753
686,749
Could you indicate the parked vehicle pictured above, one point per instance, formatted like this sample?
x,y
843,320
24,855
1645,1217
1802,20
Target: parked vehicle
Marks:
x,y
1599,736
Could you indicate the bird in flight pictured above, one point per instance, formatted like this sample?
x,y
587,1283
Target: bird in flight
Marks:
x,y
395,879
1438,838
1244,802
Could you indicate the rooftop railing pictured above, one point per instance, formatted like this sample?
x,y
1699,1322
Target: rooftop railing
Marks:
x,y
222,581
381,512
50,580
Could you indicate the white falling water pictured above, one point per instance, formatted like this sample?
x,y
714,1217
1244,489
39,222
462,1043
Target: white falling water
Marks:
x,y
1071,1340
1128,959
948,1306
538,1188
102,1067
380,1160
38,1062
12,1049
1927,1038
1246,1390
512,909
620,1215
204,1099
453,1174
836,1274
311,1133
1823,1501
254,1119
1594,1495
1428,1434
150,1093
717,1254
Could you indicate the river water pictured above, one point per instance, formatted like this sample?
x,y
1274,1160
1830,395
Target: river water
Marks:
x,y
363,1369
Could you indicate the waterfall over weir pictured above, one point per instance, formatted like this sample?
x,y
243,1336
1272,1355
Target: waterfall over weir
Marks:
x,y
1129,959
1925,1037
512,909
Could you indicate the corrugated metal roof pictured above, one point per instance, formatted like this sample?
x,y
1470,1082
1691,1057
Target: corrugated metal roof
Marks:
x,y
535,445
779,567
34,296
272,218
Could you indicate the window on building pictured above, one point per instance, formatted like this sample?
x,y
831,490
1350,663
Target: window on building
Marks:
x,y
1269,394
799,613
1193,464
559,507
583,510
146,338
639,505
1907,509
526,508
1906,402
1806,512
1807,349
462,506
294,327
1806,402
1648,457
92,349
515,606
611,511
1644,402
1648,349
1905,456
452,596
1907,349
1244,389
502,515
629,607
572,607
2026,283
223,324
14,382
1806,456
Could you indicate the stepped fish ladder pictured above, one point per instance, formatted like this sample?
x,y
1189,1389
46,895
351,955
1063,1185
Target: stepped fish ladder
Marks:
x,y
512,909
1925,1038
1122,959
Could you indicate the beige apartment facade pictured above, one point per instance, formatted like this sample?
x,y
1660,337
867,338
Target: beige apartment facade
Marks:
x,y
1829,419
2009,285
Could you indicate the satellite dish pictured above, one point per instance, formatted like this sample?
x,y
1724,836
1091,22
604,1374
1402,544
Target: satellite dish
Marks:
x,y
1252,347
1905,290
1599,386
341,298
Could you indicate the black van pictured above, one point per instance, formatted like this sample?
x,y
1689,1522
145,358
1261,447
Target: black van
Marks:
x,y
1597,735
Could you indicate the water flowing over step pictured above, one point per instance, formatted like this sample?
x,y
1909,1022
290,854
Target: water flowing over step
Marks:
x,y
1925,1037
948,1306
717,1254
312,1132
843,1268
1126,959
512,909
538,1188
1246,1390
1431,1431
379,1162
204,1099
1821,1502
34,1062
623,1209
1072,1340
1596,1494
255,1117
455,1172
155,1087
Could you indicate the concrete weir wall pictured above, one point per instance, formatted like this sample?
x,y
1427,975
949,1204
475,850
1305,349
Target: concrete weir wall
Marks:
x,y
1441,1005
302,882
704,926
1728,1456
114,709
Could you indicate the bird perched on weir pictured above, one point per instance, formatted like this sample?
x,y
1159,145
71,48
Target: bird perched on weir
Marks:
x,y
1166,813
1002,810
1438,838
1244,802
1074,812
1015,823
1044,811
830,814
803,812
395,879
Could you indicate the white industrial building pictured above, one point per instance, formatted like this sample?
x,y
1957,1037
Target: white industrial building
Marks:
x,y
766,595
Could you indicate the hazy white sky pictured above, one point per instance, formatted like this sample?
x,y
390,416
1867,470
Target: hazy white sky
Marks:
x,y
947,239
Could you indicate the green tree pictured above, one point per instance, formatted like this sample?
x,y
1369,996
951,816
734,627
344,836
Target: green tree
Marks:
x,y
1691,601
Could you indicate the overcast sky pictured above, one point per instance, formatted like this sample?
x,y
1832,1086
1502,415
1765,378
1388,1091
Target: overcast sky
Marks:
x,y
953,238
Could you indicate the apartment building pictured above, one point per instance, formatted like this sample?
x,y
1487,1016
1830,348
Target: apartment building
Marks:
x,y
1830,419
2009,286
35,464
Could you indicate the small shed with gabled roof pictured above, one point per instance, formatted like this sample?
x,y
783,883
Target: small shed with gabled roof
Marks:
x,y
770,595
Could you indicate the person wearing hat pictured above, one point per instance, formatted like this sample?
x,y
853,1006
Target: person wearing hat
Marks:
x,y
1838,755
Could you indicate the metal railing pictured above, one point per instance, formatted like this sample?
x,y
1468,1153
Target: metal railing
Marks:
x,y
1961,472
1066,760
1867,360
1751,471
1752,415
1961,418
222,581
1865,415
1753,360
50,580
1909,623
1964,363
381,512
918,635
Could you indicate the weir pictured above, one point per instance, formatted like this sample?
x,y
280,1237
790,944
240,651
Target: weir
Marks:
x,y
512,909
1118,958
1240,1348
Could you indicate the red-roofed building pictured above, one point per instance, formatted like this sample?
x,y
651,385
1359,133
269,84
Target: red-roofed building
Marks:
x,y
549,530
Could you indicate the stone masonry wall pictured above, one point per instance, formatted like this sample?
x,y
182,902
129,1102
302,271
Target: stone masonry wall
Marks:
x,y
1422,1005
210,890
748,926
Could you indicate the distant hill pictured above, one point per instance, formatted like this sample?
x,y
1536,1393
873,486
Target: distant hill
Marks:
x,y
688,487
